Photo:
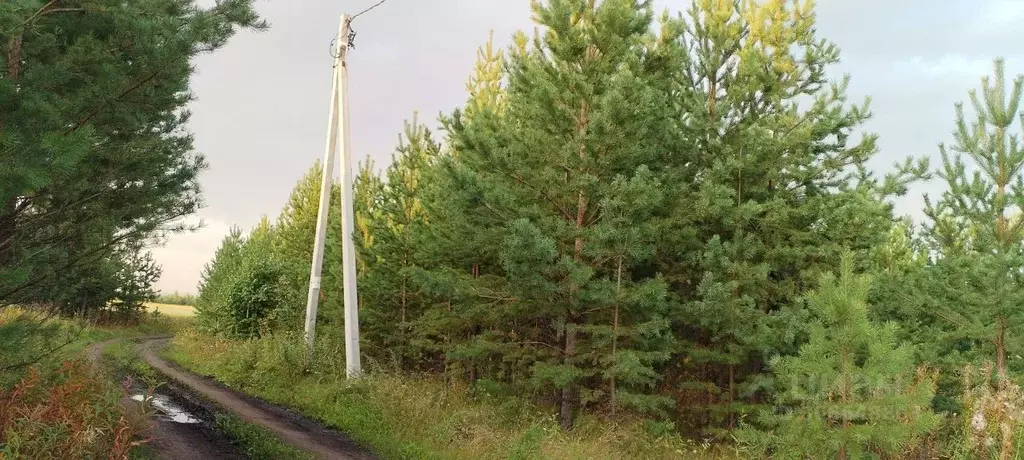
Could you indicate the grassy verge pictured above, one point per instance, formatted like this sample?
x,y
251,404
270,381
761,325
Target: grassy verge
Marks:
x,y
257,442
52,401
407,417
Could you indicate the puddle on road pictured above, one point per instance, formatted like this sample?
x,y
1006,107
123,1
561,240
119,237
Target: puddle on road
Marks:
x,y
167,410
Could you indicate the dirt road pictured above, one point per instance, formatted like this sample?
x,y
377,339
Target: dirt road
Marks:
x,y
291,428
173,441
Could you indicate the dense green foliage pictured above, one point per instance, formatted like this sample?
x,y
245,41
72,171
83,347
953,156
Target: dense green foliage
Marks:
x,y
673,220
852,389
96,161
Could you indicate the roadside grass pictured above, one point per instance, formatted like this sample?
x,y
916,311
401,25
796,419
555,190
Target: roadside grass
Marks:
x,y
53,402
123,359
257,442
413,417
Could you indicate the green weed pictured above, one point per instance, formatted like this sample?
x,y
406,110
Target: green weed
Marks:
x,y
258,442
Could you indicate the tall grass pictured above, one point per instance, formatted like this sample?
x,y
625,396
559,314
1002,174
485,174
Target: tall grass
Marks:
x,y
403,416
70,413
54,404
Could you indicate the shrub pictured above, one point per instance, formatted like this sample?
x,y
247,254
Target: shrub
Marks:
x,y
252,296
241,289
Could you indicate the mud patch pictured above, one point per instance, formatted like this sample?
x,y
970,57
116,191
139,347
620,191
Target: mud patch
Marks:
x,y
166,409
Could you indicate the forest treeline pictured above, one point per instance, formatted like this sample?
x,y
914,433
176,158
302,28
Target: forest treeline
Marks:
x,y
673,217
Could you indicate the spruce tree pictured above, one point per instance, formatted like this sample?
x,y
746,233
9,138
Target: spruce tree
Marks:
x,y
852,390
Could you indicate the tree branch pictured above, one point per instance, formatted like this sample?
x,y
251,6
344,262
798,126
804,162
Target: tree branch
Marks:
x,y
530,342
565,212
39,13
97,110
37,358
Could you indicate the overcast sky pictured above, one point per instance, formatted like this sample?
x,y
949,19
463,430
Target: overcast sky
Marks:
x,y
260,114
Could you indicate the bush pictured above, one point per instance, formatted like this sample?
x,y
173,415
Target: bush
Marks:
x,y
241,290
253,294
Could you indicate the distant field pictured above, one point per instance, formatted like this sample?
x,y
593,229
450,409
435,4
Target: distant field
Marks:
x,y
171,310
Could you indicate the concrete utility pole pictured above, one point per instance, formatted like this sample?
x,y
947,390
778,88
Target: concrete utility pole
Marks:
x,y
338,118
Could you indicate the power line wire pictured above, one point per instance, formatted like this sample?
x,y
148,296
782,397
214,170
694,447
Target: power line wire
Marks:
x,y
381,2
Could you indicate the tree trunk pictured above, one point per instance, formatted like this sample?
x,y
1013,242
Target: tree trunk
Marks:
x,y
7,230
732,395
615,330
14,57
1001,349
405,292
9,208
567,409
845,398
566,413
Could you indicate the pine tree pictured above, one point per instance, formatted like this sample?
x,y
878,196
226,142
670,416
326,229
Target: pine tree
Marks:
x,y
215,281
638,334
456,246
394,300
136,275
774,190
295,231
485,85
579,112
93,147
851,391
972,223
367,190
